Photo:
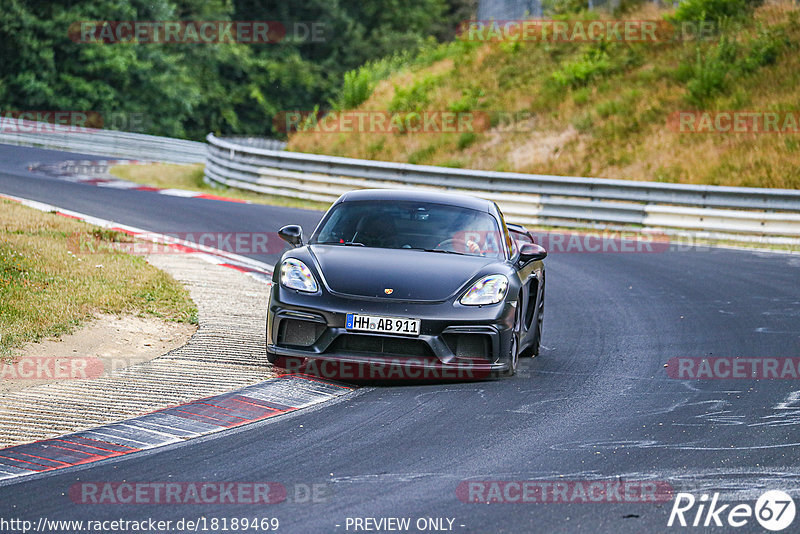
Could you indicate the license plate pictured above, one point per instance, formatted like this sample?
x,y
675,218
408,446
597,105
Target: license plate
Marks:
x,y
382,325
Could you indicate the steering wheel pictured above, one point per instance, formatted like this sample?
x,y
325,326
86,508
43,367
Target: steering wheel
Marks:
x,y
448,244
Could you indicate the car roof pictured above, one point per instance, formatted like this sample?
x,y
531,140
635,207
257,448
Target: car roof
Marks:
x,y
417,195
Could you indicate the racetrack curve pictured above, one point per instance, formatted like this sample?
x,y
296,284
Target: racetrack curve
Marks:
x,y
596,404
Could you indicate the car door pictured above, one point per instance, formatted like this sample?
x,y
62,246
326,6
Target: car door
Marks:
x,y
530,276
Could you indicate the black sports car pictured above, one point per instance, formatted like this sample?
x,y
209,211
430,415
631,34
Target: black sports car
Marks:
x,y
407,284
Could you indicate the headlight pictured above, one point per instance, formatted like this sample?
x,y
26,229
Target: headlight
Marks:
x,y
295,275
488,290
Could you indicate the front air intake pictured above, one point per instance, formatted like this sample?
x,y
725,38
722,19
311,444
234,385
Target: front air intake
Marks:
x,y
299,333
382,345
469,346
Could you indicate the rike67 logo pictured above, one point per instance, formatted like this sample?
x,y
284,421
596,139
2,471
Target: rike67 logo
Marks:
x,y
774,510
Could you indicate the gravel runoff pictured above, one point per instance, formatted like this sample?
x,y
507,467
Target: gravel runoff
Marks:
x,y
227,352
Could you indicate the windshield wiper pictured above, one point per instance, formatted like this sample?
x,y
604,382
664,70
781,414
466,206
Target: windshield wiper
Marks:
x,y
346,243
443,251
439,250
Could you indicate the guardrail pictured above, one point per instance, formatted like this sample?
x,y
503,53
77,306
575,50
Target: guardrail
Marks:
x,y
109,143
744,214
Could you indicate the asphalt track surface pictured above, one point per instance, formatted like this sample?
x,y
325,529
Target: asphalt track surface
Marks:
x,y
597,404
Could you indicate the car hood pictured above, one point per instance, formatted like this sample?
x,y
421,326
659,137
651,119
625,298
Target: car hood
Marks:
x,y
410,274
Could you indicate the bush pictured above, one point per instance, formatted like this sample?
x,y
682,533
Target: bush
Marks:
x,y
601,59
453,164
466,139
469,100
708,75
415,97
626,6
714,10
594,64
356,89
608,108
764,50
422,155
584,123
358,84
564,7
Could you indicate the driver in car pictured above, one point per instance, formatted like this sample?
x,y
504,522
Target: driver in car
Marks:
x,y
478,241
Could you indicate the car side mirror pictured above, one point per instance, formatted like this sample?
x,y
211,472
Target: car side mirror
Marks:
x,y
531,252
292,234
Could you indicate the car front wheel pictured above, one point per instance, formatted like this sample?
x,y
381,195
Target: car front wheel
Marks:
x,y
513,351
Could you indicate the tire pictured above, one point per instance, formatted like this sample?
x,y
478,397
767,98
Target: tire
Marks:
x,y
533,350
513,352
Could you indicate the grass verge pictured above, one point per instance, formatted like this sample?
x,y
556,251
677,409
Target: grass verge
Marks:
x,y
49,283
190,178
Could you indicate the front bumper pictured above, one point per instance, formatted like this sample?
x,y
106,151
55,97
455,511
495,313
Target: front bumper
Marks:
x,y
453,338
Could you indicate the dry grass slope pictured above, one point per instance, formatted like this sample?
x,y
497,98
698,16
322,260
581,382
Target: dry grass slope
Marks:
x,y
601,109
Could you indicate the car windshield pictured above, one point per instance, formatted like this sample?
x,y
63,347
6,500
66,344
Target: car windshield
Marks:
x,y
412,225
